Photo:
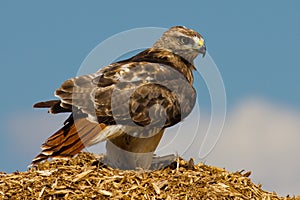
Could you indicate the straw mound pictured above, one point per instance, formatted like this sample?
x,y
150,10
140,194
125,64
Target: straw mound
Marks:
x,y
84,177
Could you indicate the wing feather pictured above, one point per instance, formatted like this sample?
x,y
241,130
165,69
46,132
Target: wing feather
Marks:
x,y
136,92
142,95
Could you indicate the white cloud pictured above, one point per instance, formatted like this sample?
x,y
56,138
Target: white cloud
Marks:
x,y
25,132
264,138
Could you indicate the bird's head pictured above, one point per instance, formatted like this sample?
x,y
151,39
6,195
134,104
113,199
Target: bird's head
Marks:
x,y
182,41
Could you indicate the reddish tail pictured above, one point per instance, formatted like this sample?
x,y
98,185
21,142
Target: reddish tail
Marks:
x,y
69,140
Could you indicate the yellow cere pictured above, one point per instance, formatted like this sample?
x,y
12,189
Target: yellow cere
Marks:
x,y
201,42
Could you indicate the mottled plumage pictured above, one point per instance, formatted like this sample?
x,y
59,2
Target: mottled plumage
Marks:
x,y
129,102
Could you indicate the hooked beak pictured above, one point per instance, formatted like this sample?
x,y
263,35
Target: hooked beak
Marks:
x,y
202,50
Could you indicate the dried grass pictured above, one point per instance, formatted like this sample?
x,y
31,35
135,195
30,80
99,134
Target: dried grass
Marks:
x,y
84,177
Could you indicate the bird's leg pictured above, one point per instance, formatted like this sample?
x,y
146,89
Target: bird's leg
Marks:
x,y
128,152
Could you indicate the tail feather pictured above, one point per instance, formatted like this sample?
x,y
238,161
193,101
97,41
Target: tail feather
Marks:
x,y
46,104
69,140
55,106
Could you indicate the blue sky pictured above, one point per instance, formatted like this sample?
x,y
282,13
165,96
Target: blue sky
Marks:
x,y
255,44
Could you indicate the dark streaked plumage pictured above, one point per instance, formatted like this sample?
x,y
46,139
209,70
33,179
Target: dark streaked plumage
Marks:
x,y
129,102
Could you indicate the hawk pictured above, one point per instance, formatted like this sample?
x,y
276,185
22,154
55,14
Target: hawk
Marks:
x,y
128,103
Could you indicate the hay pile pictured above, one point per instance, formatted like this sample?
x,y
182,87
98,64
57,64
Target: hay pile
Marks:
x,y
84,177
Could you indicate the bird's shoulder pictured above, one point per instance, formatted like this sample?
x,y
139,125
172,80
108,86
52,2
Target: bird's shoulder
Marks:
x,y
151,64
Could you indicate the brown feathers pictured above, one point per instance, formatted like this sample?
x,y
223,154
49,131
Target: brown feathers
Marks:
x,y
152,90
69,140
186,31
46,104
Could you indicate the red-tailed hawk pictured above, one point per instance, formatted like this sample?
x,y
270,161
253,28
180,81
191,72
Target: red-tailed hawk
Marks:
x,y
128,103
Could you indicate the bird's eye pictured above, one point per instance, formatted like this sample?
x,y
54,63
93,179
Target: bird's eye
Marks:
x,y
185,40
